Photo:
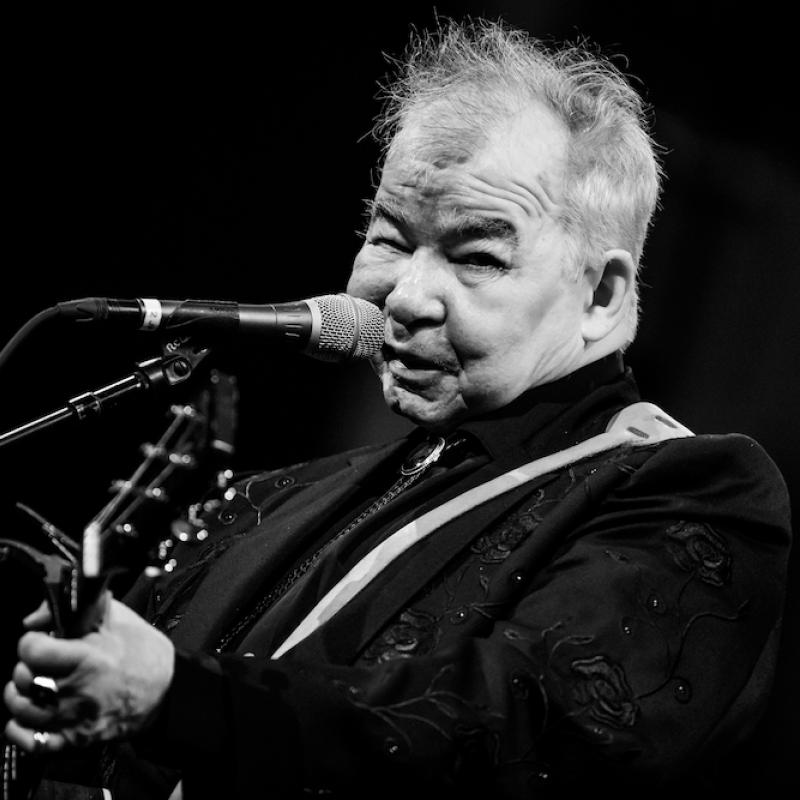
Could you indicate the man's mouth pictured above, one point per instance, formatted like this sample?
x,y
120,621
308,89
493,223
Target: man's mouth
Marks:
x,y
415,362
414,371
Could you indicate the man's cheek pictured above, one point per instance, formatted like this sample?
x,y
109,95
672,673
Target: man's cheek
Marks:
x,y
370,280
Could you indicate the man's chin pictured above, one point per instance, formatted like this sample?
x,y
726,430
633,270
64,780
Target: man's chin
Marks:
x,y
431,413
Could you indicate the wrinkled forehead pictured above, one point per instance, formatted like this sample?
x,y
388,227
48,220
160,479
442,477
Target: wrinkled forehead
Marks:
x,y
516,168
410,175
431,188
433,148
528,145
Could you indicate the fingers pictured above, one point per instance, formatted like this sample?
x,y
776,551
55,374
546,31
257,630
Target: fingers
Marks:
x,y
22,677
101,687
25,711
48,655
32,740
23,701
41,619
42,689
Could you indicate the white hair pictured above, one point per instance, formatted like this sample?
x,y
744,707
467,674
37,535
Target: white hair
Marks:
x,y
457,82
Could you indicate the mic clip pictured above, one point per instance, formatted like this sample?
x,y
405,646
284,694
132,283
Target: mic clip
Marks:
x,y
180,357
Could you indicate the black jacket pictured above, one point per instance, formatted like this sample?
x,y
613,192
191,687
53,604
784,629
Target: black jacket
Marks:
x,y
610,624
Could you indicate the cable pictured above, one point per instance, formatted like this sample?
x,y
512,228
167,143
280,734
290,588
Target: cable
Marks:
x,y
33,323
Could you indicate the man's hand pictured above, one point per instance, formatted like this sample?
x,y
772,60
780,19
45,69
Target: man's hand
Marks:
x,y
109,683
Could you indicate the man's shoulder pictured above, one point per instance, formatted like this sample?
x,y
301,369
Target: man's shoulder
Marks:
x,y
736,456
730,473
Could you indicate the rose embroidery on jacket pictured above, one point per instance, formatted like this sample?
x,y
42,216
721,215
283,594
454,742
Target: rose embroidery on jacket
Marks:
x,y
603,690
495,547
699,549
413,634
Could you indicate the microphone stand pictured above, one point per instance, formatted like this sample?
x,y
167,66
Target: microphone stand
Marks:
x,y
177,364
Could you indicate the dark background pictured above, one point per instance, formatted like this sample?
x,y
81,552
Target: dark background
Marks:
x,y
228,157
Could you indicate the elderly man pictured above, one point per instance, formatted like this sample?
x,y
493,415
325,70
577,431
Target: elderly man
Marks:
x,y
547,585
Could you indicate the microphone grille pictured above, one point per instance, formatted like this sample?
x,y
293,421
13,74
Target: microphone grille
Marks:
x,y
349,328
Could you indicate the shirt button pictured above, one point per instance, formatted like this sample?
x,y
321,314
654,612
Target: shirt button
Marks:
x,y
393,748
682,690
655,604
520,686
459,616
227,516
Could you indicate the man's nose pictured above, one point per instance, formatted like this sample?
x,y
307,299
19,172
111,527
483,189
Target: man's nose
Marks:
x,y
418,295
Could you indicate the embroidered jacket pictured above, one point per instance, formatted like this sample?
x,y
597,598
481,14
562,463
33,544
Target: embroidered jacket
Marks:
x,y
610,624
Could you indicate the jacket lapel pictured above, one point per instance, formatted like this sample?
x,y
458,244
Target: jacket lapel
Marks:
x,y
254,560
355,625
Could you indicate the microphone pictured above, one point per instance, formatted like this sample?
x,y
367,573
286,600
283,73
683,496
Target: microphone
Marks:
x,y
334,327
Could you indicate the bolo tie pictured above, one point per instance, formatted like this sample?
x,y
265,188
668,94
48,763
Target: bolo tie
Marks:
x,y
417,464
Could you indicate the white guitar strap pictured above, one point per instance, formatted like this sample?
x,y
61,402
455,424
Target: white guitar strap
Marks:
x,y
638,424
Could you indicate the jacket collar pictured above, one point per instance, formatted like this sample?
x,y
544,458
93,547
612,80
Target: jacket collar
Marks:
x,y
580,402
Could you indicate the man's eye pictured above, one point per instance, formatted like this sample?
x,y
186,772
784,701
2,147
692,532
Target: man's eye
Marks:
x,y
386,241
480,261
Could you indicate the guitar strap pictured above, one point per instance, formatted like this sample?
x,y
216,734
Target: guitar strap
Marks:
x,y
636,425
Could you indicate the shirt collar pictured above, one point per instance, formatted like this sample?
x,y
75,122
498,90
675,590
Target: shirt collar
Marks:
x,y
509,434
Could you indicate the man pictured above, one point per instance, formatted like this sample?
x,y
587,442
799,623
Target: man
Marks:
x,y
545,586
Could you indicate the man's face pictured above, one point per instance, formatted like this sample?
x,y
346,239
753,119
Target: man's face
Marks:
x,y
469,263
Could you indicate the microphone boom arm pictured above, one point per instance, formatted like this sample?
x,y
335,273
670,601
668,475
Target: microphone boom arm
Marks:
x,y
177,364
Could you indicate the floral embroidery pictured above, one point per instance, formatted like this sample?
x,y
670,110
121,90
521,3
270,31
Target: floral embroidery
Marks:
x,y
495,546
603,689
413,634
699,549
436,708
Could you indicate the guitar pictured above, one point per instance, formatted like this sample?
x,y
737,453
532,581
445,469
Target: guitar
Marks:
x,y
135,531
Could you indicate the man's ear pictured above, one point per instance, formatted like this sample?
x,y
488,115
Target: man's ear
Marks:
x,y
609,295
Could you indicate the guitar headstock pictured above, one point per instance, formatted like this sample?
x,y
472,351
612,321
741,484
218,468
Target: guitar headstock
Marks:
x,y
147,514
150,509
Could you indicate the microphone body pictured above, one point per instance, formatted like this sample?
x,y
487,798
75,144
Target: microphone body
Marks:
x,y
330,327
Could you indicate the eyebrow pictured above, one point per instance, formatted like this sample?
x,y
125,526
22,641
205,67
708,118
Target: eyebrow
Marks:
x,y
474,226
464,226
380,209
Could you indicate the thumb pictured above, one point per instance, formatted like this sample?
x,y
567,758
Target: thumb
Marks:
x,y
39,620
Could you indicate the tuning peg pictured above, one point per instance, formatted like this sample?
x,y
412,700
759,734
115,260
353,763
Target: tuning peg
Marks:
x,y
152,450
187,410
189,530
127,529
173,456
151,493
224,477
183,459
